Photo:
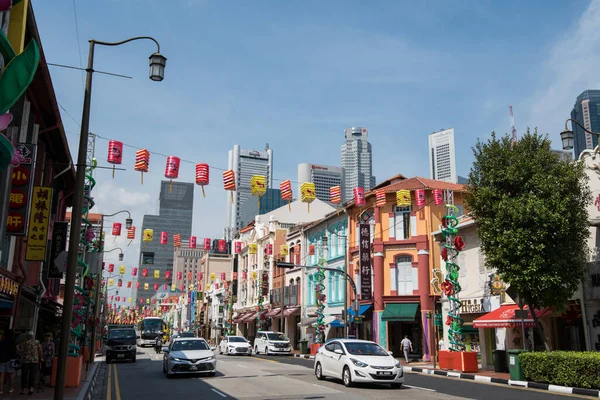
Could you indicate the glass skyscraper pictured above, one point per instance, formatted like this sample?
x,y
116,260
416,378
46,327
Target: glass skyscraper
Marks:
x,y
357,161
587,112
175,217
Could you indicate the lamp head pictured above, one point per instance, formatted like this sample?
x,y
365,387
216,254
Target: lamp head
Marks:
x,y
158,63
128,223
121,255
566,137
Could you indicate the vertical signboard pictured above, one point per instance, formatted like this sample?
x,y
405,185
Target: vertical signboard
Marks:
x,y
39,217
364,253
59,244
20,191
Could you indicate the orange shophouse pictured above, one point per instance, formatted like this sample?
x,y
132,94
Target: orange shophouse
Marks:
x,y
403,255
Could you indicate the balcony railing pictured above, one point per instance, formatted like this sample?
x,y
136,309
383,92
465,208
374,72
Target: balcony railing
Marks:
x,y
290,296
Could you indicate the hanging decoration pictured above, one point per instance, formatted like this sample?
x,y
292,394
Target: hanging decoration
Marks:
x,y
120,283
321,297
146,286
200,276
156,286
283,250
122,269
237,247
438,197
286,192
173,287
111,267
223,276
148,235
182,287
308,193
156,273
229,182
420,197
380,197
131,233
206,244
142,161
258,187
269,249
222,246
192,242
335,195
168,275
137,284
111,282
144,273
164,237
115,154
244,276
252,248
202,176
213,277
179,275
128,284
189,276
177,240
359,197
134,271
172,170
116,229
403,198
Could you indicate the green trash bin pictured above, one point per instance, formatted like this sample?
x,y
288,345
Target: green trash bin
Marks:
x,y
303,346
514,365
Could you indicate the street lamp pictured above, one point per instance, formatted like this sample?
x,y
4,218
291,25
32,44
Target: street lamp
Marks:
x,y
121,255
128,220
566,136
157,66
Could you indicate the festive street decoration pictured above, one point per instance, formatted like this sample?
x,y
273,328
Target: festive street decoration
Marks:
x,y
148,235
131,233
200,275
168,275
192,242
420,197
111,267
202,176
380,197
335,195
229,182
172,170
264,291
144,273
213,277
222,246
156,273
252,248
308,193
403,198
286,192
122,269
177,240
321,297
179,275
116,229
283,250
438,197
115,154
269,249
237,247
142,161
258,186
359,197
164,237
206,244
134,272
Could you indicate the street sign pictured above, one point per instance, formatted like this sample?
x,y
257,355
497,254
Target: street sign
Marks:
x,y
357,320
438,320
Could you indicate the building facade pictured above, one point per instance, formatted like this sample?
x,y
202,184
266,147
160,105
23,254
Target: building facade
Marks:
x,y
187,263
268,202
174,217
442,158
586,111
246,164
323,176
357,161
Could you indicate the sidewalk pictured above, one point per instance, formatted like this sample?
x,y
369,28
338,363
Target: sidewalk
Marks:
x,y
83,392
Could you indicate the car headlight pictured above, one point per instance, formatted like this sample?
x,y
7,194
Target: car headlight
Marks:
x,y
231,347
398,365
132,347
210,359
359,363
108,348
175,359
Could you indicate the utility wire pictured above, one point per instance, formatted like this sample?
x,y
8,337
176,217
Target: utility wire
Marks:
x,y
78,42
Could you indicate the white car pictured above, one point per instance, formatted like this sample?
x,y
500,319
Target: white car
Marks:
x,y
354,360
272,343
235,345
189,356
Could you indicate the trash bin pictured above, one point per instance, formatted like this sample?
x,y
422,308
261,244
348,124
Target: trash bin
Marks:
x,y
303,346
514,365
500,361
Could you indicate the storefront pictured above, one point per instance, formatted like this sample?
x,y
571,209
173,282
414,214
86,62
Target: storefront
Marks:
x,y
402,319
9,289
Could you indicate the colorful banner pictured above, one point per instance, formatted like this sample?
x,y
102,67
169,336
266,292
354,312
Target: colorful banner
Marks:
x,y
39,218
20,191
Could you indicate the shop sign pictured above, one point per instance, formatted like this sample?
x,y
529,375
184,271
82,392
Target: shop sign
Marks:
x,y
473,306
22,179
365,261
59,244
8,286
437,319
39,218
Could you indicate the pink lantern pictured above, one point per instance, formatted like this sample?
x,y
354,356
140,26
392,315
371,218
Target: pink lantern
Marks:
x,y
222,246
182,287
269,249
235,276
134,272
172,167
359,197
200,276
111,267
116,229
420,197
168,275
237,246
192,242
156,286
244,275
137,284
438,197
179,275
165,286
223,276
164,237
115,153
216,285
206,243
202,176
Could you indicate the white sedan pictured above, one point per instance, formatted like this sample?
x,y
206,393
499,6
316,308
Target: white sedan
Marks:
x,y
235,345
355,361
189,356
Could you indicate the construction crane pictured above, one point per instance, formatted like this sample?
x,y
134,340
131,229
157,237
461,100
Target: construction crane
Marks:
x,y
512,124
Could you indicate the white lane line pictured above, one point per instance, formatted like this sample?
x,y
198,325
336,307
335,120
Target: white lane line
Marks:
x,y
241,366
420,388
326,388
219,393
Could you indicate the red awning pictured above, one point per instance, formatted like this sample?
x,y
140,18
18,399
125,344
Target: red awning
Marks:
x,y
238,318
504,317
290,311
273,312
249,317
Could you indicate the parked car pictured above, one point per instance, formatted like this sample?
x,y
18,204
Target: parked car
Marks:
x,y
121,344
353,360
189,356
235,345
272,343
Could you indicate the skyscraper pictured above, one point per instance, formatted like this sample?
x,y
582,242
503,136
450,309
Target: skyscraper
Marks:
x,y
442,160
357,161
245,164
323,176
175,217
586,111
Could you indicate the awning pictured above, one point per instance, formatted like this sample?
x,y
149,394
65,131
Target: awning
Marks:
x,y
405,312
504,317
337,324
273,312
307,321
249,317
362,310
238,318
290,311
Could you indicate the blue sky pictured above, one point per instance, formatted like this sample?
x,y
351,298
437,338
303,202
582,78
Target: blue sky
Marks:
x,y
295,74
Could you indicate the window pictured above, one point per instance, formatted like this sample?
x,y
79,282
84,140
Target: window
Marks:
x,y
402,223
406,275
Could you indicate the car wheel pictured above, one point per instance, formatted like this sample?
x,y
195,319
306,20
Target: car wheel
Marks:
x,y
267,351
256,350
220,350
347,377
319,372
396,385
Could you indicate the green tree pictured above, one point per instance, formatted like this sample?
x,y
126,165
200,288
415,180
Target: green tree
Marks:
x,y
531,211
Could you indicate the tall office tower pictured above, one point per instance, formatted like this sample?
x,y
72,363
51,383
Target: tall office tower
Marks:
x,y
442,160
187,261
175,217
357,161
245,164
586,111
323,176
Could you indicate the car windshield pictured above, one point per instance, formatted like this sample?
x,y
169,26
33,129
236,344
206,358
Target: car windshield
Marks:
x,y
238,339
183,345
152,325
365,349
121,334
276,336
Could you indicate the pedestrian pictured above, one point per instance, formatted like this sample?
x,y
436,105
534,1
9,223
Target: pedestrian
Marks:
x,y
8,355
406,345
441,344
31,355
48,350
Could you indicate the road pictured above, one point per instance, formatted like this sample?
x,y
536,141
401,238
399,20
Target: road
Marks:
x,y
281,377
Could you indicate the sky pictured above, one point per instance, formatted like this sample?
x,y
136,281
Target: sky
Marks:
x,y
296,74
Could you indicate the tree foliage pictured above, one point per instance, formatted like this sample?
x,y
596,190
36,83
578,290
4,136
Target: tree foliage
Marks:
x,y
531,211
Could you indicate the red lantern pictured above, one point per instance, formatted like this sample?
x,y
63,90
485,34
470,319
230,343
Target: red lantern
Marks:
x,y
359,197
202,176
182,287
115,153
223,276
216,285
134,272
206,243
172,167
237,247
168,275
137,284
438,197
235,276
165,287
116,229
244,275
144,273
120,283
111,267
118,298
179,275
153,301
420,197
200,276
192,242
112,297
222,246
156,286
128,284
189,276
131,233
269,249
164,237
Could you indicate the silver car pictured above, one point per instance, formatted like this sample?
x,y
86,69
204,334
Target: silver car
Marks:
x,y
189,356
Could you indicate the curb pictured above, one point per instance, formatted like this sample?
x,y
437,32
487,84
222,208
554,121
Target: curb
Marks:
x,y
305,356
88,389
489,379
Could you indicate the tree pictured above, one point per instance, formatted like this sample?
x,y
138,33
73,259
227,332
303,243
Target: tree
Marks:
x,y
531,211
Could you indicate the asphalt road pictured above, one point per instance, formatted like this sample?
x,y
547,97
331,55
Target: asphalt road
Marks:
x,y
282,377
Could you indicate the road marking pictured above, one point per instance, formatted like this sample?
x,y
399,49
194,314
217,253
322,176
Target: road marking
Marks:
x,y
241,366
326,388
264,359
219,393
109,390
117,390
420,388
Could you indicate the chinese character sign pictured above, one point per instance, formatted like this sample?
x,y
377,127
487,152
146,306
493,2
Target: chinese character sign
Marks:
x,y
365,261
37,238
20,197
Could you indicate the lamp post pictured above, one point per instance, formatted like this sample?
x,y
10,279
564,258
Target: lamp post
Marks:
x,y
128,220
121,255
157,69
566,136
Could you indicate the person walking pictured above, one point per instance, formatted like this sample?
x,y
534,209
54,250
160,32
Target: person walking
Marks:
x,y
48,351
8,355
406,345
31,355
